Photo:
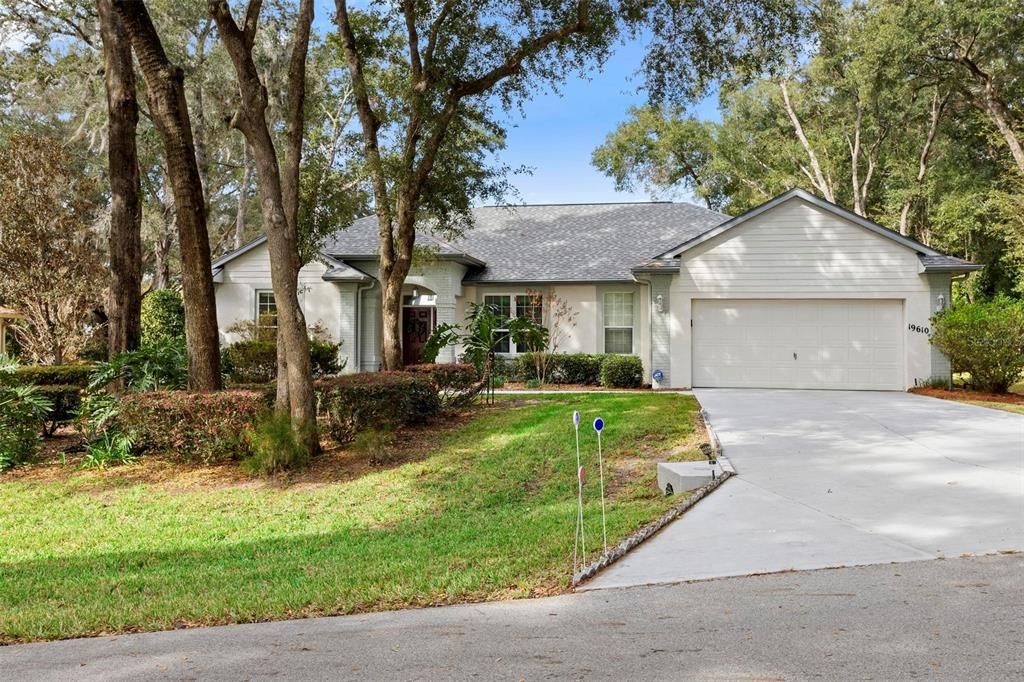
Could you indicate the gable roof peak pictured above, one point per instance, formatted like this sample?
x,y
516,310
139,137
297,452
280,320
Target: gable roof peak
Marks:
x,y
814,200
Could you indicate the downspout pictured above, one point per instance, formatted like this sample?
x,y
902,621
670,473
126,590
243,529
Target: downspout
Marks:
x,y
357,336
650,319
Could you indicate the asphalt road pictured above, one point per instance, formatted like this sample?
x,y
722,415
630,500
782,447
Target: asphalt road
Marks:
x,y
954,619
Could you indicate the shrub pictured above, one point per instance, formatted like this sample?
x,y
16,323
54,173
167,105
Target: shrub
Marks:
x,y
110,447
64,403
985,339
533,383
377,445
163,317
622,371
562,368
23,410
353,402
255,362
193,427
274,446
162,365
55,375
456,385
575,368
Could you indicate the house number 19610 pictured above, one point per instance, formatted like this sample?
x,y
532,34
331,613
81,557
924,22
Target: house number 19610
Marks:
x,y
918,328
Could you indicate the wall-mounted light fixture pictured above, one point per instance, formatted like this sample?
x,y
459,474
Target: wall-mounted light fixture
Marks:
x,y
940,303
415,292
659,303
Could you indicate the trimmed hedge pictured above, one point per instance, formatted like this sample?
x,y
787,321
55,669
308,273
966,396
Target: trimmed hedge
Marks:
x,y
162,317
566,368
353,402
455,384
622,371
255,362
193,427
54,375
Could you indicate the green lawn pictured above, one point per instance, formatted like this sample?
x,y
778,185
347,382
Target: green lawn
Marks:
x,y
487,513
1006,407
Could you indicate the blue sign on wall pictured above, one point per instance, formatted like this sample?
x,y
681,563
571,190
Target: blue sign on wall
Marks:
x,y
658,375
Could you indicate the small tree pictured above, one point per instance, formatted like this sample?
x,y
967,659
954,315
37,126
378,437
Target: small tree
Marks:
x,y
482,334
557,318
163,317
52,264
984,339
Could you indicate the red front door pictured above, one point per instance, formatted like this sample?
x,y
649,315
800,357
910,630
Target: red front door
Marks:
x,y
417,323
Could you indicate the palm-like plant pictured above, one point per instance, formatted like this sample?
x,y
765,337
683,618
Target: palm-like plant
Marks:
x,y
23,410
483,332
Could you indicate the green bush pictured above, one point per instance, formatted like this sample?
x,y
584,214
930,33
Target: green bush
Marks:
x,y
23,410
193,427
622,371
163,317
110,447
984,339
455,384
575,368
55,375
275,447
255,362
562,368
64,400
386,400
161,365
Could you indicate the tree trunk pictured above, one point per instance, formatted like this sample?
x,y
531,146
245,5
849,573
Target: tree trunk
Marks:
x,y
124,306
278,199
938,105
165,240
166,95
820,182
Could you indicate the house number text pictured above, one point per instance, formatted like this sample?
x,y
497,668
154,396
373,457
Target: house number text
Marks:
x,y
918,328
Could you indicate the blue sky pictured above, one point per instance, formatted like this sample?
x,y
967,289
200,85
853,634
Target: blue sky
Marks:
x,y
558,133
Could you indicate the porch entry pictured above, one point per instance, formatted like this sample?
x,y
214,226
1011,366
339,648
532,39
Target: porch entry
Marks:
x,y
418,321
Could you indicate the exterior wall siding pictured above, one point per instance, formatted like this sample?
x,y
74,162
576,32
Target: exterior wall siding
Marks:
x,y
250,272
661,327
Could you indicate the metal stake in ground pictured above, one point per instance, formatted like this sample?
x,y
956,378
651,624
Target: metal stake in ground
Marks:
x,y
580,540
599,427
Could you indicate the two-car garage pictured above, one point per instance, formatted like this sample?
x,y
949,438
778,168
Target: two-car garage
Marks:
x,y
802,343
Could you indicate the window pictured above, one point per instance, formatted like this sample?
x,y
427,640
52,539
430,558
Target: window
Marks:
x,y
618,323
520,305
266,309
503,306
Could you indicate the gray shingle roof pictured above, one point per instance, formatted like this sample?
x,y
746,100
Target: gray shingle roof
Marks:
x,y
943,263
554,243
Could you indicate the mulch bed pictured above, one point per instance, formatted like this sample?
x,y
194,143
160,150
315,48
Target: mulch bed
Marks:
x,y
568,388
964,394
61,458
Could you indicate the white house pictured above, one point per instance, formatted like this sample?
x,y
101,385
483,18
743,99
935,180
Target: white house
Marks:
x,y
796,293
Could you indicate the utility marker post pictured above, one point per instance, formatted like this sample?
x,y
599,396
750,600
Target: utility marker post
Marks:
x,y
580,541
599,427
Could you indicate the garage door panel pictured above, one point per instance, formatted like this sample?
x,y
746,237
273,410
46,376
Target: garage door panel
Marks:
x,y
827,343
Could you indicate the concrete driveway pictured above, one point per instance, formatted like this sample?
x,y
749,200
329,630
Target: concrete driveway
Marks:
x,y
840,478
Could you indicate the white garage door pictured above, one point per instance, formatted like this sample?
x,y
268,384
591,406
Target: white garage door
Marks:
x,y
841,344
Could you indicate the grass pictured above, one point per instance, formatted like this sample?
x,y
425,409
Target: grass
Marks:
x,y
1006,407
487,513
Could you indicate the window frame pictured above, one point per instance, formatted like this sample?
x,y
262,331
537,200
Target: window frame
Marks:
x,y
631,327
258,314
513,349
